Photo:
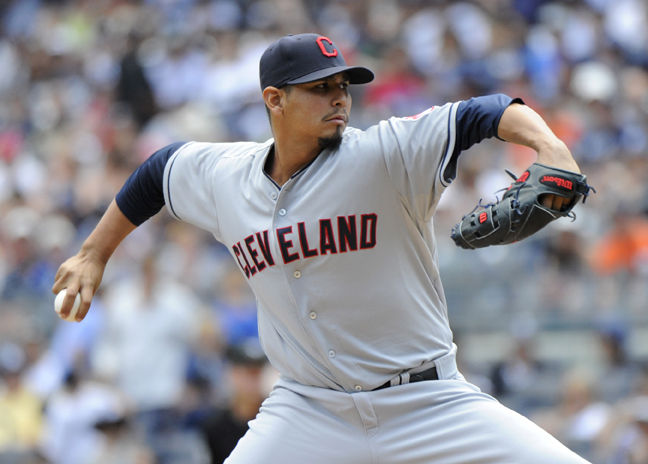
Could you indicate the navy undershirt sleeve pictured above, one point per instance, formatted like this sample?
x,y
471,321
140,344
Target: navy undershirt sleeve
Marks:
x,y
477,119
141,195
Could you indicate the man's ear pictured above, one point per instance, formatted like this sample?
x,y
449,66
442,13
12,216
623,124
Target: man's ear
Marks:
x,y
274,99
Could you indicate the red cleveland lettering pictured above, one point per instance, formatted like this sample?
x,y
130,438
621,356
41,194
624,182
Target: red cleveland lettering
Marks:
x,y
327,239
285,245
237,252
303,241
251,269
253,253
264,246
347,234
368,230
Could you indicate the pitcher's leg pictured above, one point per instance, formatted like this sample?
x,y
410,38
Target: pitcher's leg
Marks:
x,y
295,429
452,422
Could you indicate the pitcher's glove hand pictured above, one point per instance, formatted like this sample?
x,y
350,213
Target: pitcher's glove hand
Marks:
x,y
520,212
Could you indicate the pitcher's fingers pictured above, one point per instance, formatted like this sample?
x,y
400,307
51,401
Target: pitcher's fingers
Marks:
x,y
68,300
554,202
63,278
59,280
87,292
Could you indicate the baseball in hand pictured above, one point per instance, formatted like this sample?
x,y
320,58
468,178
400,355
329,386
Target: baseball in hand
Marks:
x,y
58,302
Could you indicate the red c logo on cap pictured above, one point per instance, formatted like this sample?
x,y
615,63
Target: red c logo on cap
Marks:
x,y
320,41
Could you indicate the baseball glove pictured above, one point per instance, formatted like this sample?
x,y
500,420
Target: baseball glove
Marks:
x,y
520,213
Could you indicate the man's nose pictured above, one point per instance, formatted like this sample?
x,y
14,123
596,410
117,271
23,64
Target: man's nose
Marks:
x,y
341,97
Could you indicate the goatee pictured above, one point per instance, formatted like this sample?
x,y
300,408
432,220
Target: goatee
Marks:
x,y
332,142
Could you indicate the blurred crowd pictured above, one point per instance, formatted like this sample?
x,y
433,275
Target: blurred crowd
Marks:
x,y
166,368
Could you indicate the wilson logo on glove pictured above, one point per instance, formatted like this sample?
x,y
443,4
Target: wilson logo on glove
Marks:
x,y
559,181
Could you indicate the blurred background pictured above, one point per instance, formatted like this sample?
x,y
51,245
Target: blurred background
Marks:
x,y
166,368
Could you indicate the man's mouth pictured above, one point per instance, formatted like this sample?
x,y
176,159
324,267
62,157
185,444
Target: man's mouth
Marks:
x,y
338,118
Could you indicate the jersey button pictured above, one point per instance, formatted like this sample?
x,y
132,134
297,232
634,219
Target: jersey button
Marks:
x,y
297,274
282,212
331,354
358,388
313,315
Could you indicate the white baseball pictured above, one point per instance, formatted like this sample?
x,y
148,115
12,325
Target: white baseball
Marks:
x,y
58,302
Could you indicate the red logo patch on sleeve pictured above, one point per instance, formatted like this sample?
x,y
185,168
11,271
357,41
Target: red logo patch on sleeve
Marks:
x,y
416,116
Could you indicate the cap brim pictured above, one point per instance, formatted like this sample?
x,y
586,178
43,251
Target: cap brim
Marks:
x,y
357,75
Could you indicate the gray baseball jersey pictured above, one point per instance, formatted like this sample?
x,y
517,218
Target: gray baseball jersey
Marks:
x,y
343,261
342,258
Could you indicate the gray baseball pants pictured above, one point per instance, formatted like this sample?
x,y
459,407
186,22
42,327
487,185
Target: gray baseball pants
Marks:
x,y
448,421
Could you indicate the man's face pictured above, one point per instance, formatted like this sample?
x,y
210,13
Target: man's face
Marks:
x,y
320,109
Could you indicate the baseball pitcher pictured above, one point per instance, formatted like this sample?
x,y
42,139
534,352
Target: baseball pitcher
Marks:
x,y
333,229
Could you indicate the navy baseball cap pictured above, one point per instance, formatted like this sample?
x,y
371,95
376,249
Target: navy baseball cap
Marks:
x,y
295,59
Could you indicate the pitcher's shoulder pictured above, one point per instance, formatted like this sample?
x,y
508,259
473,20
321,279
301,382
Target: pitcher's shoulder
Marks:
x,y
226,149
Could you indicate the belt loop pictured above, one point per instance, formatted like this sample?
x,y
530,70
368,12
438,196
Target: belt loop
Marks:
x,y
447,365
405,377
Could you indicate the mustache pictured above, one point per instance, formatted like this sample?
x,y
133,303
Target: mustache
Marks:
x,y
336,114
